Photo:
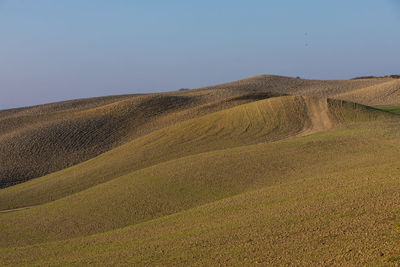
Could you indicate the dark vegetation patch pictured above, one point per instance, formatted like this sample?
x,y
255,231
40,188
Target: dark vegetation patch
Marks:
x,y
377,77
391,109
256,96
43,148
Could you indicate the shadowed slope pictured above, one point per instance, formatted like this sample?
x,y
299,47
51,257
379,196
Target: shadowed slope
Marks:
x,y
54,141
40,140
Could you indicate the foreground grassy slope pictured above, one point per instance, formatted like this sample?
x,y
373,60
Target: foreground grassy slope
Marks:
x,y
328,198
261,121
194,180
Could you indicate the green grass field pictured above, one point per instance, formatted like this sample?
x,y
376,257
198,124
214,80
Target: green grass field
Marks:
x,y
286,180
392,109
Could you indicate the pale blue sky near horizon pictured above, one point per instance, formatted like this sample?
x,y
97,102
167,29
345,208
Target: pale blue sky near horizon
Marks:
x,y
59,50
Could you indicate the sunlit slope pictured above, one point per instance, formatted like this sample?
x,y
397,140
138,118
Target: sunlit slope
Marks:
x,y
378,90
347,217
345,194
261,121
387,93
238,126
190,181
40,140
65,106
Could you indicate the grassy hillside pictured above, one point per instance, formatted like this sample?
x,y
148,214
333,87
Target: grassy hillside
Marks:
x,y
328,197
233,174
281,224
245,124
391,109
267,120
134,194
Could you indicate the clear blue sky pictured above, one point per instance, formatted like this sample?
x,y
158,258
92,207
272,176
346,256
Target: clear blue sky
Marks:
x,y
52,50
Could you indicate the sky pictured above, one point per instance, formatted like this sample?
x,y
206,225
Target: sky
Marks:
x,y
54,50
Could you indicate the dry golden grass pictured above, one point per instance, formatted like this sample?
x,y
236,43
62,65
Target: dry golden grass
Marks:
x,y
261,121
329,198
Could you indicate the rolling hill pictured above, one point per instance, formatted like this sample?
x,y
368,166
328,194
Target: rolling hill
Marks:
x,y
82,129
85,131
261,121
268,170
387,93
